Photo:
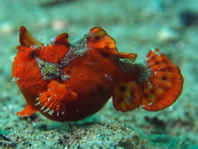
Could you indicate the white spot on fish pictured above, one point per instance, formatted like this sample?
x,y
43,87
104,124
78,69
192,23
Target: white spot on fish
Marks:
x,y
51,112
150,103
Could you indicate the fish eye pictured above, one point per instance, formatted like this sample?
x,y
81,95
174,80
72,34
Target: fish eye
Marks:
x,y
33,54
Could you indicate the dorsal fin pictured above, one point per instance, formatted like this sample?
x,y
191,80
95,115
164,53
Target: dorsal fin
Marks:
x,y
26,39
62,39
164,84
100,40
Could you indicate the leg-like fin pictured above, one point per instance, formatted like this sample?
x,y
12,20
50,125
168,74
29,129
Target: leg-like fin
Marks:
x,y
127,96
56,97
164,83
27,111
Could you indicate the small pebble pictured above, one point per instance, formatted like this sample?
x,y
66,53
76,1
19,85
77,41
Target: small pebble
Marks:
x,y
167,35
59,25
6,28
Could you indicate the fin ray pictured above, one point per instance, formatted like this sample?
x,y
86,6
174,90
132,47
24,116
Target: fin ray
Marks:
x,y
127,96
56,97
164,84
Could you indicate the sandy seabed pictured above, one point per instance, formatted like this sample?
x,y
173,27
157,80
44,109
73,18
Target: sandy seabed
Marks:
x,y
137,26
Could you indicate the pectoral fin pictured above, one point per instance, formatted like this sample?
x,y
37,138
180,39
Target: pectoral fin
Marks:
x,y
56,97
127,96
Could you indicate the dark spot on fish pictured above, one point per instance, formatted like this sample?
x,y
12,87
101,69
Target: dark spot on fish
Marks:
x,y
100,87
131,98
146,96
157,62
164,78
104,54
33,54
68,72
97,38
122,88
152,58
106,47
120,99
81,75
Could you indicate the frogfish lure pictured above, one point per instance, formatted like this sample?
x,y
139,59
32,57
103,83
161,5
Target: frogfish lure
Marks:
x,y
68,82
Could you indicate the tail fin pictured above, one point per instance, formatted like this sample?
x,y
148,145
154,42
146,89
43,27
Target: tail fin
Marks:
x,y
158,90
164,84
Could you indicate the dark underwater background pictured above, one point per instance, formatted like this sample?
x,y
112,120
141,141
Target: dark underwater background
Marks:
x,y
137,26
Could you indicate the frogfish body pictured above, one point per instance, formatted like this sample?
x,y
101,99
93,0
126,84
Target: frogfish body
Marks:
x,y
68,82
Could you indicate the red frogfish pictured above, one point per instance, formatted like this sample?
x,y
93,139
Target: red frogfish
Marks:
x,y
68,82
